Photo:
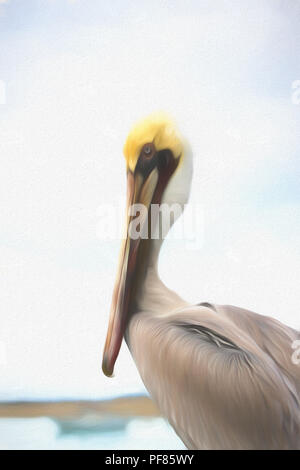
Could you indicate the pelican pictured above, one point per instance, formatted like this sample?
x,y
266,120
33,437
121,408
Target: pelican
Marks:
x,y
221,375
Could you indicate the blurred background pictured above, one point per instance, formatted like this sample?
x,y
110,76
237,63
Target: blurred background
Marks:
x,y
74,76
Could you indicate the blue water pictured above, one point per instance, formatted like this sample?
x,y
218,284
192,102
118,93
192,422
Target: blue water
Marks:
x,y
45,433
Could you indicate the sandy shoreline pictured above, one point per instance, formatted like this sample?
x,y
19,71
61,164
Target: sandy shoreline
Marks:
x,y
123,406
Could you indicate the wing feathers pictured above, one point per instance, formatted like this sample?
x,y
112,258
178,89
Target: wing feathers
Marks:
x,y
216,385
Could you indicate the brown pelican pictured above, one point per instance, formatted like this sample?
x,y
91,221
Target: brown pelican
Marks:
x,y
222,375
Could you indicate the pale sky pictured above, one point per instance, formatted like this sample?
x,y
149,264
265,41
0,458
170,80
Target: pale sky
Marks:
x,y
76,75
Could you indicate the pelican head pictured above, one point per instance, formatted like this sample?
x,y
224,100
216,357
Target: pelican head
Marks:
x,y
154,153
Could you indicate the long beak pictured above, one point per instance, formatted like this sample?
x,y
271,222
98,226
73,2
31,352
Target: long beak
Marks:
x,y
139,191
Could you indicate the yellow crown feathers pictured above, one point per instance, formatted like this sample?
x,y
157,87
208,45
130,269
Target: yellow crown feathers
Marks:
x,y
157,128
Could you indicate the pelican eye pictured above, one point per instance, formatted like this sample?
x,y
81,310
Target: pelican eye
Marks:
x,y
148,150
